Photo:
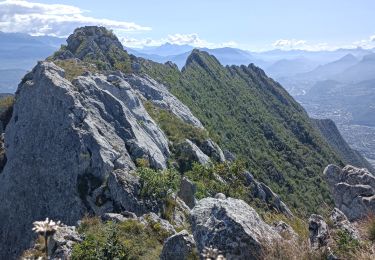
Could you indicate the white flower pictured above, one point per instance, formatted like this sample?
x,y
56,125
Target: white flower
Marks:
x,y
46,227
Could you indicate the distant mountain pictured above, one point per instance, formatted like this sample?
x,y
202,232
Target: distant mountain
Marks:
x,y
290,67
328,70
362,71
20,52
226,55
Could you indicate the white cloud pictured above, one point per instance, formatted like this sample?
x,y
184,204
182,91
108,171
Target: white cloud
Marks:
x,y
52,19
180,39
289,44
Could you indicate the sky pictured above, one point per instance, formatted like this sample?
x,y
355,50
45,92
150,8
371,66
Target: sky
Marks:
x,y
246,24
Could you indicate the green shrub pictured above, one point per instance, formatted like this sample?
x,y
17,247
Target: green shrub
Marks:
x,y
345,242
127,240
158,184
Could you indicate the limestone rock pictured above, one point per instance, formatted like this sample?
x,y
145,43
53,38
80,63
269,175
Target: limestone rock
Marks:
x,y
285,230
180,246
125,189
229,156
340,221
212,150
318,229
113,217
151,219
264,193
191,152
232,227
159,95
63,141
353,190
60,245
187,192
220,196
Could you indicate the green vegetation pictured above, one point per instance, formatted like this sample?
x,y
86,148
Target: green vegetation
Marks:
x,y
223,177
74,68
158,184
253,116
173,127
345,243
126,240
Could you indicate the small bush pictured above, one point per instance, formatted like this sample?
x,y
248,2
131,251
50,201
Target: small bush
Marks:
x,y
127,240
345,242
158,184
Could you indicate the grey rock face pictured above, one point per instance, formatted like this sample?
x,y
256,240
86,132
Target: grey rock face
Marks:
x,y
212,150
285,230
232,227
159,95
113,217
124,189
60,245
151,219
178,247
62,142
264,193
192,152
353,190
318,229
187,192
340,221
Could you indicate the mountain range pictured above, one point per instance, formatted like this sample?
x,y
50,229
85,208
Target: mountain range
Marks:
x,y
125,151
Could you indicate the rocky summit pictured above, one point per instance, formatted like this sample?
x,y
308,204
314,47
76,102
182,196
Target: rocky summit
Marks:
x,y
126,152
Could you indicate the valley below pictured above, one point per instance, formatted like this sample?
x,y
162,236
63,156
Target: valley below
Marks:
x,y
359,137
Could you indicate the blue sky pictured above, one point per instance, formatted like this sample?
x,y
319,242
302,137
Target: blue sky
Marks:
x,y
254,25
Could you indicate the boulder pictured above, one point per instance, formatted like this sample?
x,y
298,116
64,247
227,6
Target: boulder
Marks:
x,y
156,222
285,230
340,221
353,190
212,150
60,245
264,193
181,215
318,229
231,226
114,217
191,153
187,192
124,189
180,246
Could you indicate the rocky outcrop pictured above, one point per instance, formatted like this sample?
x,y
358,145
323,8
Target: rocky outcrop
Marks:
x,y
154,221
285,230
159,95
340,221
318,229
60,245
191,152
180,246
124,189
231,226
353,190
187,192
265,194
63,141
212,150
